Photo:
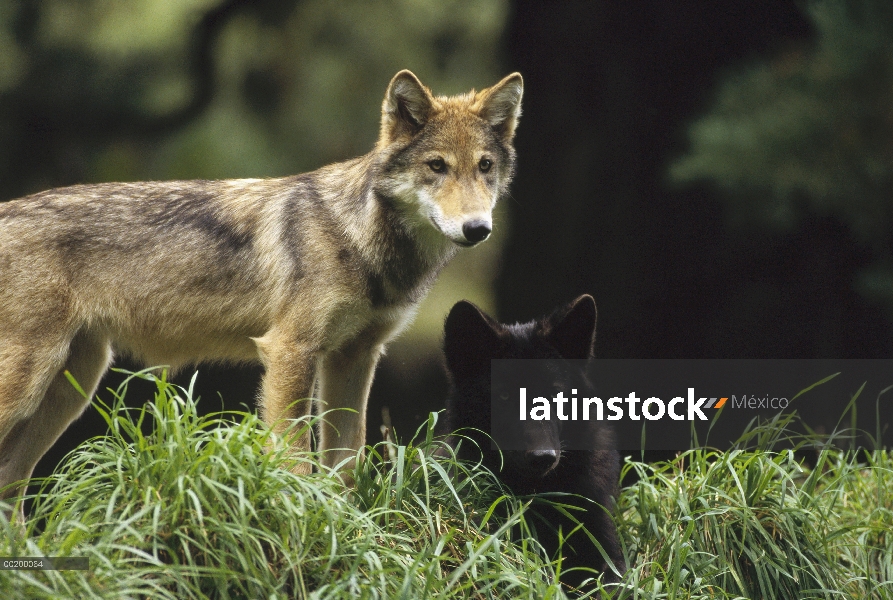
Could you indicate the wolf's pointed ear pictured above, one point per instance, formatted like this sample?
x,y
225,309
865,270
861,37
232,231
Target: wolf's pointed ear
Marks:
x,y
406,107
571,330
471,339
501,105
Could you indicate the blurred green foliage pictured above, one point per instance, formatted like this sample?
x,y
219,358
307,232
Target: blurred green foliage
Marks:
x,y
810,132
298,84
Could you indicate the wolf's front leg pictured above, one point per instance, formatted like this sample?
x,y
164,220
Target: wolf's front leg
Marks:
x,y
345,380
286,389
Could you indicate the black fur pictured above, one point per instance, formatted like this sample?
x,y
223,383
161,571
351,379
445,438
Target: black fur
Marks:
x,y
471,339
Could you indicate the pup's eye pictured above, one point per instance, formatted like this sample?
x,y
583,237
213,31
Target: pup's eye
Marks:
x,y
485,165
437,165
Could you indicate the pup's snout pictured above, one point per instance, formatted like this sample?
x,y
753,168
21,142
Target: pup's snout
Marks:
x,y
476,231
541,460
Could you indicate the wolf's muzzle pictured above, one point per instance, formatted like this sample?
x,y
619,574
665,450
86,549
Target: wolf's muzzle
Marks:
x,y
541,461
476,231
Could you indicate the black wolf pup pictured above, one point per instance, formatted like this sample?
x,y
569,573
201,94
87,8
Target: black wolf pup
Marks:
x,y
472,338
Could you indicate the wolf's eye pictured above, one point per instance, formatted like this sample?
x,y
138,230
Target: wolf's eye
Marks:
x,y
437,165
485,165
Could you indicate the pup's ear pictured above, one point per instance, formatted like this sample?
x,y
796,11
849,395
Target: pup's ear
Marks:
x,y
500,105
471,339
406,107
571,329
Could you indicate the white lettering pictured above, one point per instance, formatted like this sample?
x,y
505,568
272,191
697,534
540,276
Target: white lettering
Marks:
x,y
541,412
660,409
695,407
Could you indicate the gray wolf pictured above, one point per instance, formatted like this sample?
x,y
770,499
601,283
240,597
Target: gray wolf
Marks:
x,y
311,275
472,338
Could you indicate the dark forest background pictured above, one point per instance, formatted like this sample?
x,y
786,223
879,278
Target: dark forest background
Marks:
x,y
716,174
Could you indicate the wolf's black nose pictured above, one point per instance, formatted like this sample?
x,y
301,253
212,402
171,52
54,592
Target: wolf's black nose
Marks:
x,y
476,231
541,460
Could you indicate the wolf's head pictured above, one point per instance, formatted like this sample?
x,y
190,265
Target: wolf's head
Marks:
x,y
472,338
446,160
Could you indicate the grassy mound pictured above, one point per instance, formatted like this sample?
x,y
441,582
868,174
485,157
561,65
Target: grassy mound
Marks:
x,y
175,505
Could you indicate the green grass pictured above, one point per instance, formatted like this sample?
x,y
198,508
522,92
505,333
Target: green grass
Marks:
x,y
757,524
171,504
